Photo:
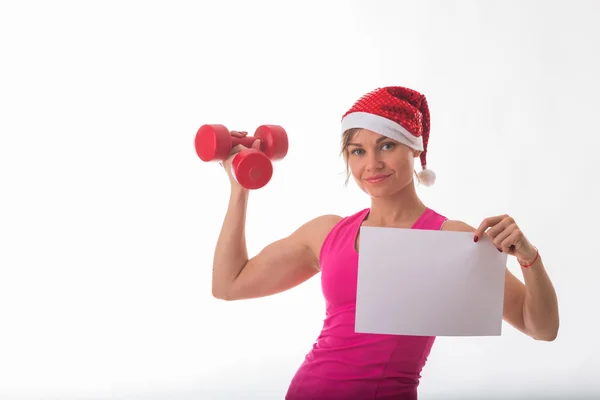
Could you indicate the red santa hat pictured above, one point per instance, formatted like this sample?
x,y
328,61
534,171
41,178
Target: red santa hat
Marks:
x,y
399,113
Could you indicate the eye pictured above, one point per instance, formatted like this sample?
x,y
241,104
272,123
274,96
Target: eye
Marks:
x,y
356,152
389,145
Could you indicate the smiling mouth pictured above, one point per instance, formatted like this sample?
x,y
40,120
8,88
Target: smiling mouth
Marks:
x,y
377,179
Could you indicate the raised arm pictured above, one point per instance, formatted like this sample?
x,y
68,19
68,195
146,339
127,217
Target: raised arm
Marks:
x,y
280,266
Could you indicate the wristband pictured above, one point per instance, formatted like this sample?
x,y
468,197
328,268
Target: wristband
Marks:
x,y
537,254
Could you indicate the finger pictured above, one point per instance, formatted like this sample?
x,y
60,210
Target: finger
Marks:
x,y
256,144
499,238
485,224
501,226
507,245
236,149
238,133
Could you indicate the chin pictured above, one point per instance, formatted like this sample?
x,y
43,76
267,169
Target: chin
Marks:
x,y
380,194
378,191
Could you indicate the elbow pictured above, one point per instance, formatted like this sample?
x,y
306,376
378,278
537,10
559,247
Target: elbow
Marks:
x,y
221,294
218,295
548,335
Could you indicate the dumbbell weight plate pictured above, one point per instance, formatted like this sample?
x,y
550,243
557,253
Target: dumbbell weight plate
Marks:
x,y
213,142
252,169
273,141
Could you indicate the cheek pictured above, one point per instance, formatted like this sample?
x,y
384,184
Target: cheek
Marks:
x,y
354,167
405,163
356,174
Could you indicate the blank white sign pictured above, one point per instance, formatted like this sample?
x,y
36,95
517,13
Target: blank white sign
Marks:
x,y
428,283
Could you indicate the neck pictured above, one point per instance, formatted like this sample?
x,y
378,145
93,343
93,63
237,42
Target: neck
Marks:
x,y
400,209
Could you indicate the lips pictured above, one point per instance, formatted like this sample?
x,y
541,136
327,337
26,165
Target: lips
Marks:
x,y
377,178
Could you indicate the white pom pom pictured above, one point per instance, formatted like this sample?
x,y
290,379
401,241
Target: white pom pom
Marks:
x,y
426,177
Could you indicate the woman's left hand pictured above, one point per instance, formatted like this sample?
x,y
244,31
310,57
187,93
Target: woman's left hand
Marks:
x,y
508,237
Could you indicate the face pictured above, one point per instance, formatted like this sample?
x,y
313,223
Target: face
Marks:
x,y
380,166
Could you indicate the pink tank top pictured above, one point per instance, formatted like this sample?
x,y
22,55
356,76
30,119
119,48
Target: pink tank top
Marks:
x,y
346,365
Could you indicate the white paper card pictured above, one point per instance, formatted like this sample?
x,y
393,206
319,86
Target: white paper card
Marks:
x,y
428,283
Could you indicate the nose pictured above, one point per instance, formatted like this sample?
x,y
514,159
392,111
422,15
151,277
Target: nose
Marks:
x,y
374,161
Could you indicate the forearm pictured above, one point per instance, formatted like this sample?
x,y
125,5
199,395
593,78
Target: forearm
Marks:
x,y
540,308
231,254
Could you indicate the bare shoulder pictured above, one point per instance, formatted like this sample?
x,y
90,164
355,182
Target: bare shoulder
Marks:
x,y
325,222
457,226
320,224
316,230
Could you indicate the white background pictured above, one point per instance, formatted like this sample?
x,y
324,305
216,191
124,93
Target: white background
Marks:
x,y
108,219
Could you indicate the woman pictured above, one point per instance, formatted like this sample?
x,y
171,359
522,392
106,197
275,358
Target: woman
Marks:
x,y
382,134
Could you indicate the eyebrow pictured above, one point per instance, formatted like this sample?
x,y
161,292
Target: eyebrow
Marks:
x,y
381,139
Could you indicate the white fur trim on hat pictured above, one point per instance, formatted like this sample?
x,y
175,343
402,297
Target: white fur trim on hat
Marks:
x,y
382,126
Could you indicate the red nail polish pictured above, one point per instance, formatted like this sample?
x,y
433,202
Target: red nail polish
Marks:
x,y
476,239
500,250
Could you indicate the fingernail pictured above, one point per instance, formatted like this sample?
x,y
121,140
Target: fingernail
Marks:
x,y
500,250
475,239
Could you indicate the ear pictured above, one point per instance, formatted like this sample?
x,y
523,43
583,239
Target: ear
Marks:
x,y
418,153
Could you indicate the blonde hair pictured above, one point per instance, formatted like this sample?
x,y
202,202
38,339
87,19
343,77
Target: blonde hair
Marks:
x,y
346,138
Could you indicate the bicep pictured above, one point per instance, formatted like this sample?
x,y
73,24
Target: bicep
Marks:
x,y
285,263
280,266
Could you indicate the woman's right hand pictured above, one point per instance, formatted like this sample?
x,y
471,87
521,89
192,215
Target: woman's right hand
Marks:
x,y
226,164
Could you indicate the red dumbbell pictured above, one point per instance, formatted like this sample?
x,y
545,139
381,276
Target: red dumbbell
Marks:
x,y
252,168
